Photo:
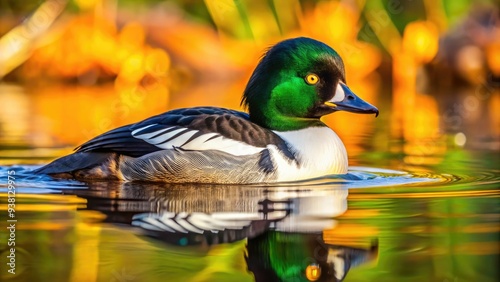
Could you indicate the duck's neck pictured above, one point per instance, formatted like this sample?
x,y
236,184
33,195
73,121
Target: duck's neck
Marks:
x,y
269,118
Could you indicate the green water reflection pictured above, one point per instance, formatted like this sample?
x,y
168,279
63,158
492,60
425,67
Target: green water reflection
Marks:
x,y
432,236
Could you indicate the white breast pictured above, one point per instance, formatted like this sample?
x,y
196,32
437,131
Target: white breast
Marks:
x,y
320,152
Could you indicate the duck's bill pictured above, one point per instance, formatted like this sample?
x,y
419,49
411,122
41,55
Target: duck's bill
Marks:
x,y
345,100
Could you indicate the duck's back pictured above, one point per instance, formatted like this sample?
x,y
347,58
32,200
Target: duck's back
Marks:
x,y
203,145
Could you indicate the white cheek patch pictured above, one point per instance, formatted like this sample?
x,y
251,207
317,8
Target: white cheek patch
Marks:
x,y
339,94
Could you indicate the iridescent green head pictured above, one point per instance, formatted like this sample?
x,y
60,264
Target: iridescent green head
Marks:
x,y
297,82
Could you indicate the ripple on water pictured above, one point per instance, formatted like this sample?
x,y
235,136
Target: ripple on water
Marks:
x,y
27,182
358,177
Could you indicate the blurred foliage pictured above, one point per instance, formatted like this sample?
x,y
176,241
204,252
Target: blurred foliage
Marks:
x,y
405,11
133,52
14,7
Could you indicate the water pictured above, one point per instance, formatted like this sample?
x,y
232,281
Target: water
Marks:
x,y
379,224
407,211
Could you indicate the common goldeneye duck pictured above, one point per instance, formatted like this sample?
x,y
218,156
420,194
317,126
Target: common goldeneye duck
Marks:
x,y
281,138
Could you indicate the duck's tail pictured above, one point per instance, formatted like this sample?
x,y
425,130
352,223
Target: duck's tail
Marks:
x,y
83,165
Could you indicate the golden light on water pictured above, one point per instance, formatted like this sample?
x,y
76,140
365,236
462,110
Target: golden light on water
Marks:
x,y
313,272
86,251
19,105
421,131
350,234
416,116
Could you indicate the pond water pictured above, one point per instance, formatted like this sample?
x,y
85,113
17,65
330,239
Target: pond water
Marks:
x,y
409,210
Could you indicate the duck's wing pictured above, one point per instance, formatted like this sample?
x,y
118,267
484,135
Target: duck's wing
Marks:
x,y
202,128
118,140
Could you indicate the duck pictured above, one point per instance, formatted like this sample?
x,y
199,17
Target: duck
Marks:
x,y
280,138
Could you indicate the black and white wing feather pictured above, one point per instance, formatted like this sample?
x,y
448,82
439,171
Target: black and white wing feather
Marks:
x,y
202,128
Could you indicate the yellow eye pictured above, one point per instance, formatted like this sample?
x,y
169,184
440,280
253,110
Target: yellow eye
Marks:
x,y
312,79
313,272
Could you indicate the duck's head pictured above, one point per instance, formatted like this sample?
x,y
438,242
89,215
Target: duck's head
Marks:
x,y
298,81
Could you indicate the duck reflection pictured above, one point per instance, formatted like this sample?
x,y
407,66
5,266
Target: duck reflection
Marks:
x,y
283,226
